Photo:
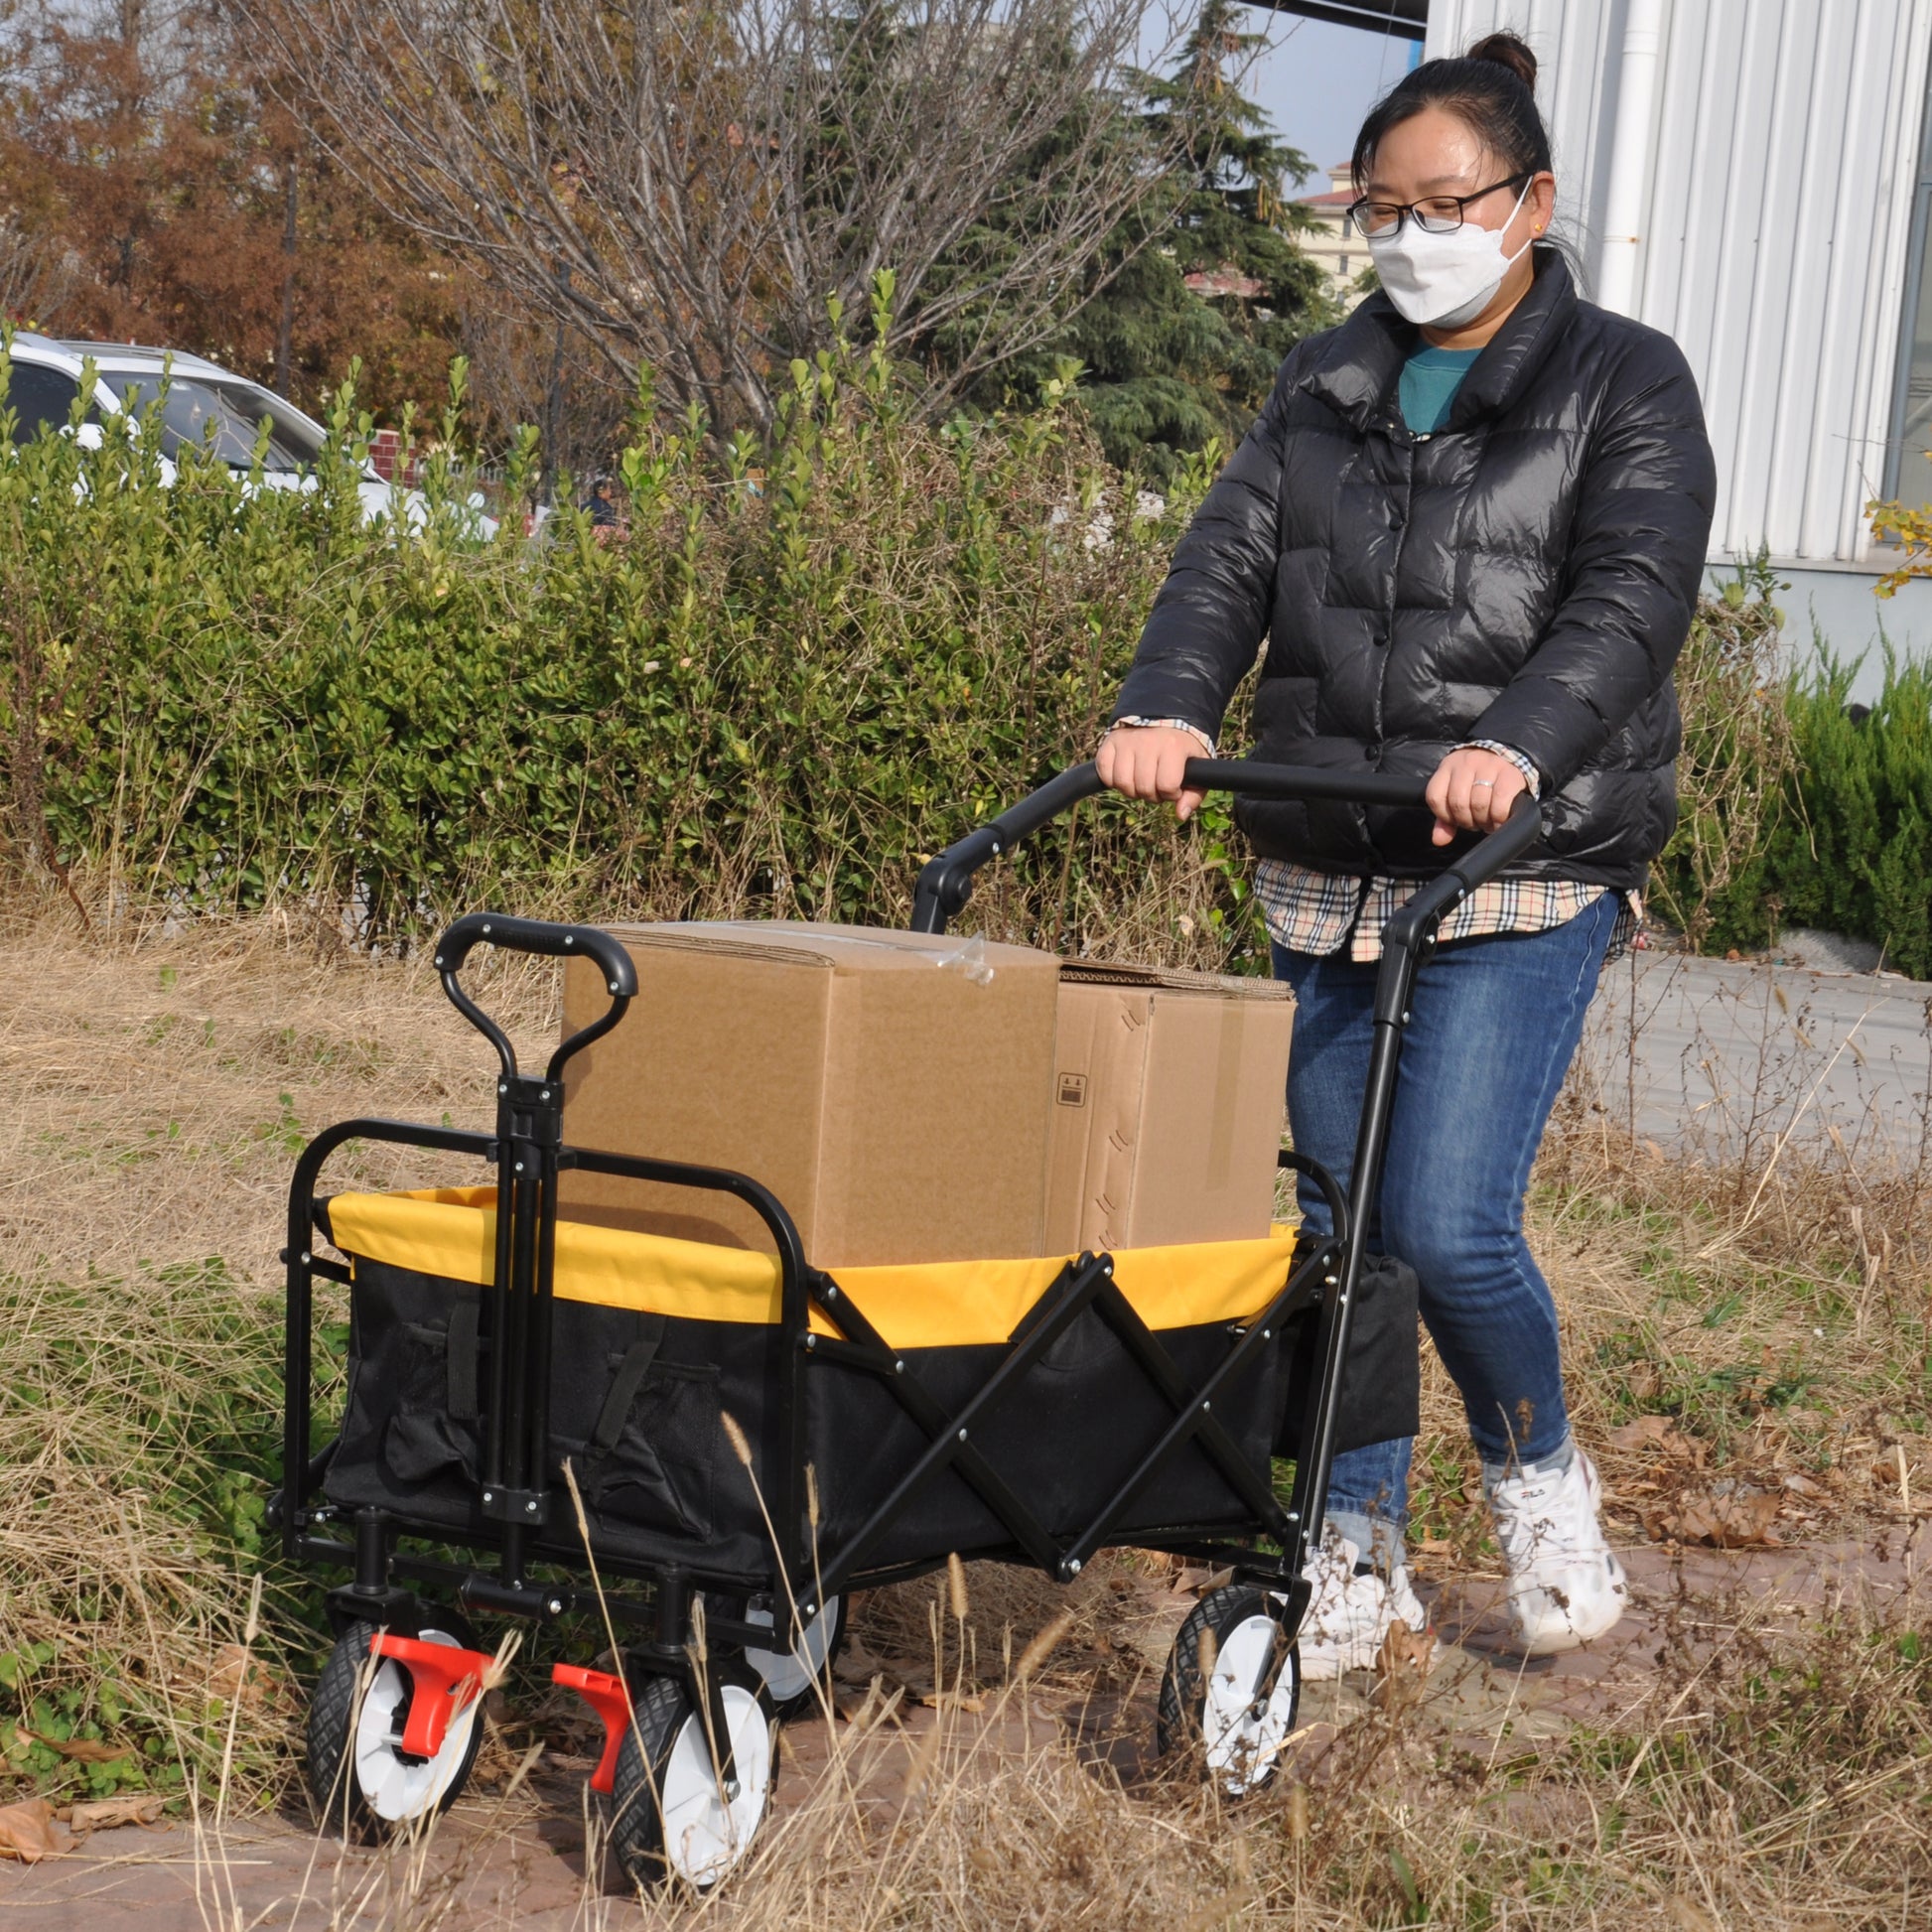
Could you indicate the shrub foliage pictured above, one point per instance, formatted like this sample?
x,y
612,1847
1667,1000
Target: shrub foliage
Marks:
x,y
1738,754
809,664
1852,851
811,661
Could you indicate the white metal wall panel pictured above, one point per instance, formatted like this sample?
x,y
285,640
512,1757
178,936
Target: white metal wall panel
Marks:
x,y
1870,260
1783,155
1576,85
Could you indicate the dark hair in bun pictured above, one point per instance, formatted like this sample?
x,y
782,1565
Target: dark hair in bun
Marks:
x,y
1492,88
1508,51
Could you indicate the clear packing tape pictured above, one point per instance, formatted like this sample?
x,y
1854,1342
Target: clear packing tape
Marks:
x,y
968,960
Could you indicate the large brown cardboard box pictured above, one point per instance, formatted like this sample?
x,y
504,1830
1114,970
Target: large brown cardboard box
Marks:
x,y
891,1089
1169,1094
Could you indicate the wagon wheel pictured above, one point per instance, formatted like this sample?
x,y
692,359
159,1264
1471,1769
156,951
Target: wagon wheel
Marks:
x,y
789,1675
668,1815
1231,1688
358,1770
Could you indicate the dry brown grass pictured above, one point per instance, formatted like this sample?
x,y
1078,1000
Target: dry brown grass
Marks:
x,y
159,1086
1771,1772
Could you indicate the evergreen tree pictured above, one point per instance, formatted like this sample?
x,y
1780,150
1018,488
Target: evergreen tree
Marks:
x,y
1170,365
1167,367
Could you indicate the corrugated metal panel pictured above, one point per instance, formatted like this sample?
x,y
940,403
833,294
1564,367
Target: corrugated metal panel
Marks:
x,y
1784,150
1576,87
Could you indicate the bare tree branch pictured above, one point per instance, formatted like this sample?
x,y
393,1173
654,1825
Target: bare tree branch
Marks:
x,y
689,184
37,271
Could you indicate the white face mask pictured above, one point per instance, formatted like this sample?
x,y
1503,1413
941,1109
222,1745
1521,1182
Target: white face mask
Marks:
x,y
1444,280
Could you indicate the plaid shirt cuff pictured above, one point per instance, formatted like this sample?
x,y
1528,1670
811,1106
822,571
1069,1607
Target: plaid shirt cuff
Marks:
x,y
1531,775
1169,724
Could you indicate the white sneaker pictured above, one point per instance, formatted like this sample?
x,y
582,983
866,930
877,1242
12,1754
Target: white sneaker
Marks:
x,y
1403,1604
1564,1586
1350,1612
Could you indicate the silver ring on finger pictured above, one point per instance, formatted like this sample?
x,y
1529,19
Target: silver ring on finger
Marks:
x,y
1482,784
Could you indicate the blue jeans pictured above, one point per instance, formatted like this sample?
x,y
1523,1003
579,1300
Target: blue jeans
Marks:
x,y
1496,1022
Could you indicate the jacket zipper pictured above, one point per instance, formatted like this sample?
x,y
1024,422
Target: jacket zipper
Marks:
x,y
1405,439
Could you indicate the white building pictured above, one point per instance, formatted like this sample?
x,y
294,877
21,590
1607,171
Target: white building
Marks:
x,y
1754,177
1333,242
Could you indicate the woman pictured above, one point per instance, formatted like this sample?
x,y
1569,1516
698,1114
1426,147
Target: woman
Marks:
x,y
1472,523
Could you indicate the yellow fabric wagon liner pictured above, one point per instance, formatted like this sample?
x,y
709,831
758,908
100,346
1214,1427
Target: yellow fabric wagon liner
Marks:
x,y
450,1232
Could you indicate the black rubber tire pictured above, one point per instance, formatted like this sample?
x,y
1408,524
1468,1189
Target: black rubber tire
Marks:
x,y
1184,1687
661,1706
809,1702
333,1788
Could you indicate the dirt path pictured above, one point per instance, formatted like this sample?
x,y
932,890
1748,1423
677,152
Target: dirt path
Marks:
x,y
523,1860
1726,1055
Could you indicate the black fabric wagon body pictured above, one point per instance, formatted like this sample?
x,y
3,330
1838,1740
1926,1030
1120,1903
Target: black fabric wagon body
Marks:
x,y
656,1343
534,1406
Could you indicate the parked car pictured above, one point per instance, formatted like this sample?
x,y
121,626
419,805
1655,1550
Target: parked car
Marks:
x,y
201,403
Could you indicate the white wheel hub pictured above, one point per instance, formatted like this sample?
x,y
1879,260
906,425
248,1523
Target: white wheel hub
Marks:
x,y
393,1786
1242,1735
706,1831
792,1673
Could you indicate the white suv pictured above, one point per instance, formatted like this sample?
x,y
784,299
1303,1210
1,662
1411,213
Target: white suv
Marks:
x,y
205,405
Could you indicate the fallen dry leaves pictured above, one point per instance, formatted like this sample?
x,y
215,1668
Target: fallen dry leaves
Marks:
x,y
107,1814
235,1673
1725,1516
28,1833
83,1750
1659,1432
1402,1667
1686,1915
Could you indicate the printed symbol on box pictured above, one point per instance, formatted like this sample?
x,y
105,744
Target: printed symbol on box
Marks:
x,y
1074,1089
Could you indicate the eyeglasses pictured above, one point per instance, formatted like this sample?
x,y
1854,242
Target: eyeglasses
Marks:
x,y
1439,215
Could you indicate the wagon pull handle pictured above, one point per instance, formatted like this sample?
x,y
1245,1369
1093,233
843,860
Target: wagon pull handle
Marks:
x,y
550,941
946,883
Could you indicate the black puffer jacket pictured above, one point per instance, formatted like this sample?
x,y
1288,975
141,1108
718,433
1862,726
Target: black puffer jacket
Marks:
x,y
1526,574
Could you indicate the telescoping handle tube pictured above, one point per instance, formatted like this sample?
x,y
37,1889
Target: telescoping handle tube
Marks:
x,y
529,1155
1408,939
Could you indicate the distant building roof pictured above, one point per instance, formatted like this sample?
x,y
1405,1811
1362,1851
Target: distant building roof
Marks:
x,y
1211,282
1406,19
1341,189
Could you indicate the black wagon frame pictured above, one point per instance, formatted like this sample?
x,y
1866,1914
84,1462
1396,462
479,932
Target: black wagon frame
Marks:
x,y
528,1522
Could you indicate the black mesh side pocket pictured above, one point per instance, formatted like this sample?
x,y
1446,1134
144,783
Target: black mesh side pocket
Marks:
x,y
653,1457
432,1427
1381,1381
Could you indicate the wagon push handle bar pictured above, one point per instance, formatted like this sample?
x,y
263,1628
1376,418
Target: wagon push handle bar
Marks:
x,y
1408,939
946,883
551,942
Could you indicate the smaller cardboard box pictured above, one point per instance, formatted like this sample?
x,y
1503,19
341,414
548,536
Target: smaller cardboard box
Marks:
x,y
1169,1095
890,1087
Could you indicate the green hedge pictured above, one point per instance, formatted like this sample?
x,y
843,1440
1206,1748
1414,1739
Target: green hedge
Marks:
x,y
1737,754
1853,850
807,667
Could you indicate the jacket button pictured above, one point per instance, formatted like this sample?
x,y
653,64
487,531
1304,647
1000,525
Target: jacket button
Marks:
x,y
1373,747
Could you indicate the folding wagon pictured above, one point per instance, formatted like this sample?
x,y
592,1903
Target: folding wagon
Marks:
x,y
718,1446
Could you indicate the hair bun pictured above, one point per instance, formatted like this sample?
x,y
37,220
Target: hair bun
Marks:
x,y
1506,51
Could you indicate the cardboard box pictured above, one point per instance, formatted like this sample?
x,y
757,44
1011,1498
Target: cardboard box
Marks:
x,y
891,1089
1168,1096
